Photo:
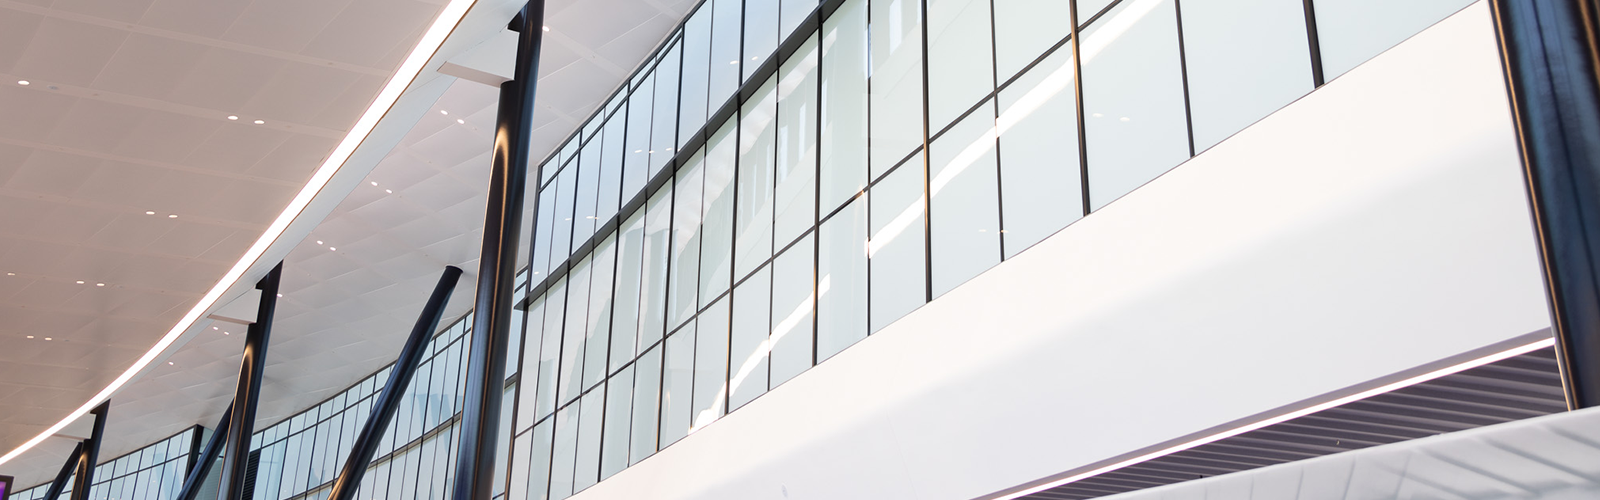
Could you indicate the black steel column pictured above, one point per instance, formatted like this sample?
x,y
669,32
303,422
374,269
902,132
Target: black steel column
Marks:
x,y
486,358
344,487
71,464
243,417
208,456
91,453
1549,49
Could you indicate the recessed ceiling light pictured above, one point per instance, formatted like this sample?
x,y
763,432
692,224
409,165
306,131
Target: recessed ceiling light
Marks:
x,y
463,122
149,212
215,328
547,28
172,216
390,191
80,282
30,336
280,295
319,242
259,122
11,274
169,362
23,82
233,117
226,333
332,249
99,284
374,183
443,112
48,338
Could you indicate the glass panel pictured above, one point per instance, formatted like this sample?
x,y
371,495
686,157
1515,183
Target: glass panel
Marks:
x,y
1025,29
960,58
842,280
711,365
583,214
611,155
1245,59
564,456
896,100
1351,31
550,348
796,175
595,348
696,72
716,252
663,135
1041,181
677,385
760,33
1133,98
792,304
520,451
753,237
629,268
636,159
561,232
575,333
727,25
748,349
681,299
844,105
589,427
792,14
898,250
539,467
652,315
966,201
646,405
531,374
619,400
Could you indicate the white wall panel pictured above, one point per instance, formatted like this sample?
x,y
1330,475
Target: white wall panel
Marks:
x,y
1374,226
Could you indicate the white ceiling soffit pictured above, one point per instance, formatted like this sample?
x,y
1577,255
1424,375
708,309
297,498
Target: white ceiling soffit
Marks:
x,y
347,306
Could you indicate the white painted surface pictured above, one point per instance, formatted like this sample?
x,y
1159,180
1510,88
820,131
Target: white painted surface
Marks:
x,y
1374,226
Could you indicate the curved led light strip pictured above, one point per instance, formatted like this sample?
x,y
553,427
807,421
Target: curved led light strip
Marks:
x,y
426,47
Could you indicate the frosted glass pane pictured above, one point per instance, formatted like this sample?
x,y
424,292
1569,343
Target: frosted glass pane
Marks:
x,y
1133,98
1246,58
716,248
696,73
646,405
796,175
842,280
711,365
590,421
619,411
636,156
574,334
550,348
896,98
792,304
966,201
663,134
753,236
1025,29
1349,32
844,105
897,248
760,33
599,330
960,58
630,269
652,314
1041,182
564,456
677,385
747,351
682,300
726,28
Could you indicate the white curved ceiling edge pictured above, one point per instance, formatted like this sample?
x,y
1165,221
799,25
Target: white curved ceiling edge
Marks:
x,y
461,25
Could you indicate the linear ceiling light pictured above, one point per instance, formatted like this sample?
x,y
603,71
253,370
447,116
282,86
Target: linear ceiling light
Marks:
x,y
1456,368
413,65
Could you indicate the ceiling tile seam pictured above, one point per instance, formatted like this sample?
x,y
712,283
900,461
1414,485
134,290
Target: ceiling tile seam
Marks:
x,y
125,210
165,106
185,37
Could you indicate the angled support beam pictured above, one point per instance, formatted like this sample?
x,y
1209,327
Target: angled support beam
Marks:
x,y
242,418
383,410
60,484
208,456
90,455
1551,63
491,324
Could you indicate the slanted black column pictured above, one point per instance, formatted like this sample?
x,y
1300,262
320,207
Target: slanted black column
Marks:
x,y
491,323
67,468
243,417
208,456
91,453
1549,49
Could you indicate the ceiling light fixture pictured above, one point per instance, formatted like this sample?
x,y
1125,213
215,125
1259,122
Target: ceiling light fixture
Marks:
x,y
23,83
413,65
30,336
463,122
443,112
99,284
547,28
80,282
48,338
149,212
319,242
332,249
374,183
215,328
390,191
172,216
233,117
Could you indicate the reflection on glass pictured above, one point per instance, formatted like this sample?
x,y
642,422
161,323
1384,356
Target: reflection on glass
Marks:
x,y
696,73
1025,29
842,280
716,252
1349,32
564,456
710,365
897,248
1040,175
760,33
960,58
664,133
619,412
792,13
646,405
966,206
792,303
896,90
599,328
611,155
1245,59
1133,98
652,314
574,334
550,347
796,173
630,262
753,236
677,385
686,215
748,349
584,210
843,144
636,155
586,471
726,19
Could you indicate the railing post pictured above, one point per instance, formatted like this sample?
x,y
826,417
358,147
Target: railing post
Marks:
x,y
243,417
91,453
486,358
344,487
1550,56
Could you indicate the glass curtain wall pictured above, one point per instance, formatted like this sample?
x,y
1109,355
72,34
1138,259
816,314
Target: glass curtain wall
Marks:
x,y
155,472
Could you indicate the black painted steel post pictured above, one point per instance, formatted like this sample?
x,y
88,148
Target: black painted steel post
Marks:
x,y
366,444
1550,54
486,359
91,453
67,467
208,456
243,417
